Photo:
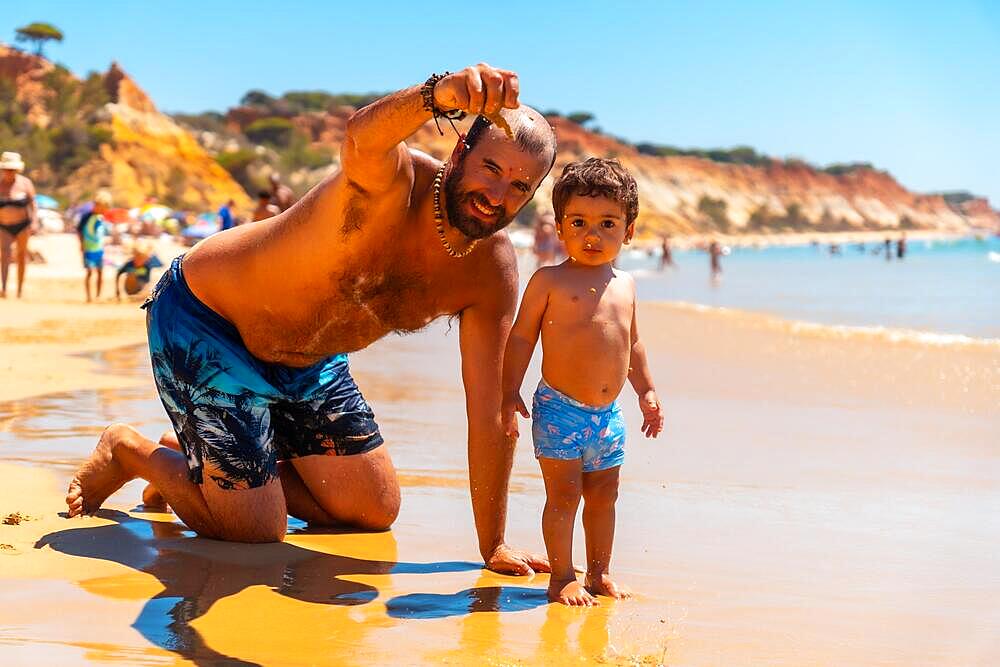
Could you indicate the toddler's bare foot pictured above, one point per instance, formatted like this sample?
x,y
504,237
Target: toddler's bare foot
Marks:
x,y
100,476
571,593
153,499
603,585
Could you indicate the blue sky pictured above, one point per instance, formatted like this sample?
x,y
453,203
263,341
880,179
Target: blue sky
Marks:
x,y
913,87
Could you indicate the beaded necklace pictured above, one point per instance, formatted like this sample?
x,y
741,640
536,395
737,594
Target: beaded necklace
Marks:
x,y
439,219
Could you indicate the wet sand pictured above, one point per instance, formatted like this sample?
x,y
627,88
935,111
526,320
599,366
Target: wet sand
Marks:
x,y
818,498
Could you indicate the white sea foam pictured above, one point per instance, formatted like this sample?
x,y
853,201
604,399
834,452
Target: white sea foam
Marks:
x,y
886,334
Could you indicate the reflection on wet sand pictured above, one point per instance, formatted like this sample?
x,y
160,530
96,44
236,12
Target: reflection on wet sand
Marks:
x,y
471,600
565,635
196,574
84,414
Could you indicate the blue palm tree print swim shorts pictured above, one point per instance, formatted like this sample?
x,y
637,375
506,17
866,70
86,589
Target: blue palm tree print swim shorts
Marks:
x,y
235,415
564,428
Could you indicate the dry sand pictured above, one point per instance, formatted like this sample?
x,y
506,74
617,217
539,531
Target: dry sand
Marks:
x,y
45,336
817,499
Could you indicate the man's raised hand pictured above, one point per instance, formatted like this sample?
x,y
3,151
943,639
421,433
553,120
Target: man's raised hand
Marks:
x,y
479,89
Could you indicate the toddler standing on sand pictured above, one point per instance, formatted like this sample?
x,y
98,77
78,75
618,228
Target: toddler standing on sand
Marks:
x,y
585,311
93,232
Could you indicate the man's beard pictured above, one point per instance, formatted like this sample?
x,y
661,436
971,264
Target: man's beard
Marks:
x,y
456,205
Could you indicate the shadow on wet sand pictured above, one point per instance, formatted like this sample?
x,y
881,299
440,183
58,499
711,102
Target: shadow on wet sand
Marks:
x,y
196,573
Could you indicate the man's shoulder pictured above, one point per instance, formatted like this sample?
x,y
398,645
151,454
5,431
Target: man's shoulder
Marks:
x,y
492,273
423,163
497,252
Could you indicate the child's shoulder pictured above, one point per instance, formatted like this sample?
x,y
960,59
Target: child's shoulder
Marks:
x,y
626,285
545,275
624,276
552,277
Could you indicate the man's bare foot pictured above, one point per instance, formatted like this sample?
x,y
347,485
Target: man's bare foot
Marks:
x,y
100,476
603,585
571,593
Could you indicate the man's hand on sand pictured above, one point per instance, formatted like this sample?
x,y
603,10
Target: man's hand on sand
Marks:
x,y
506,560
478,90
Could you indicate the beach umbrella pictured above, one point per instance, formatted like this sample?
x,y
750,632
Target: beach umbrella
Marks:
x,y
81,209
45,201
198,231
117,215
51,221
154,213
204,225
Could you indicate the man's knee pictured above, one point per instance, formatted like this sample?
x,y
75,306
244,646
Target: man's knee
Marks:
x,y
246,515
379,511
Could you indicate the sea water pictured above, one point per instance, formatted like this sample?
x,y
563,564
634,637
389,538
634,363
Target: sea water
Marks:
x,y
947,287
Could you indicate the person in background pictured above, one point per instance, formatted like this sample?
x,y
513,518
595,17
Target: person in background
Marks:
x,y
546,242
901,247
888,249
18,217
281,195
226,216
93,232
137,270
666,254
265,209
715,258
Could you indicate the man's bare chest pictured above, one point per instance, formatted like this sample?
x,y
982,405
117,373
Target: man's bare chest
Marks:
x,y
364,299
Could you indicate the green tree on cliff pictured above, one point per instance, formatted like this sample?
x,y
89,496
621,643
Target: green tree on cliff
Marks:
x,y
580,117
39,33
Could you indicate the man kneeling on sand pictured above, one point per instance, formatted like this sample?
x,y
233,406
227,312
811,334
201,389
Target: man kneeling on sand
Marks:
x,y
249,332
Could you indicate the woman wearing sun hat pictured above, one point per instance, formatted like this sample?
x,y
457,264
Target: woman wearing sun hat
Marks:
x,y
18,216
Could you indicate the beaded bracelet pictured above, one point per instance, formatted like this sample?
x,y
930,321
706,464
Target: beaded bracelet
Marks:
x,y
427,93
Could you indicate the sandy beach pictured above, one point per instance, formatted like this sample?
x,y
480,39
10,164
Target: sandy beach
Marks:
x,y
819,497
48,336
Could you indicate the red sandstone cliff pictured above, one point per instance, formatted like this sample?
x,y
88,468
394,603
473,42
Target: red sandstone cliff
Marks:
x,y
148,153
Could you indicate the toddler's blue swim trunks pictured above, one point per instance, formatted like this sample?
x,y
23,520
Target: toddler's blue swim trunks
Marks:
x,y
93,259
564,428
235,415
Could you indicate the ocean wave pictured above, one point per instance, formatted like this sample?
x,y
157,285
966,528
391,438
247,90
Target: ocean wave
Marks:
x,y
839,331
993,256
